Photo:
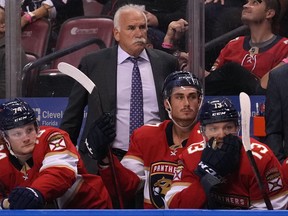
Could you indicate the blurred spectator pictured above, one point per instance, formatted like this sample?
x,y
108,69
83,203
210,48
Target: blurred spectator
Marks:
x,y
2,54
176,30
246,59
173,39
57,11
214,172
220,18
276,116
33,10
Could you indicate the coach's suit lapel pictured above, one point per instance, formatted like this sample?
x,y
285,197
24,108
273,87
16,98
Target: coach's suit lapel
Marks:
x,y
157,68
109,81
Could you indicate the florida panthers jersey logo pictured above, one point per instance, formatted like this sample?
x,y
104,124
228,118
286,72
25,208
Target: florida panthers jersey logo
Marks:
x,y
161,175
56,142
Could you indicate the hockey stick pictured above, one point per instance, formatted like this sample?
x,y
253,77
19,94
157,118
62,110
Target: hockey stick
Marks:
x,y
87,83
245,106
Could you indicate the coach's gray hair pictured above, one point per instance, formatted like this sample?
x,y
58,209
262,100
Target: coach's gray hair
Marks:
x,y
126,8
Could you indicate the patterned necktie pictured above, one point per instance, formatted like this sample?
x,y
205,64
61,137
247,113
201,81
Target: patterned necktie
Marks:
x,y
136,102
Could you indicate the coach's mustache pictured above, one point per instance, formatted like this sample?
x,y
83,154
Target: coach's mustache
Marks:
x,y
140,40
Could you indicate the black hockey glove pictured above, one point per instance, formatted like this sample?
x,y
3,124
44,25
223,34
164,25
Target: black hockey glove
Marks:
x,y
100,136
219,162
25,198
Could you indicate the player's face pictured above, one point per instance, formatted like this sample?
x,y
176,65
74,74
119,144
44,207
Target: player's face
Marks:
x,y
22,139
132,34
218,131
254,11
185,104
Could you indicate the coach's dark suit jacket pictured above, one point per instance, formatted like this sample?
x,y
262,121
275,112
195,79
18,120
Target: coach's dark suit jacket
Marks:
x,y
101,67
276,113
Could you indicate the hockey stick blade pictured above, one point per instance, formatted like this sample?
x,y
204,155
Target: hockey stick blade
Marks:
x,y
77,75
84,80
245,106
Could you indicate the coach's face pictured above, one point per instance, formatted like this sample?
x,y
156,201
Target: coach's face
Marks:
x,y
132,32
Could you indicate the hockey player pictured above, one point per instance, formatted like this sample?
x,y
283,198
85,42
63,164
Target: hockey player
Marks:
x,y
153,153
216,173
41,164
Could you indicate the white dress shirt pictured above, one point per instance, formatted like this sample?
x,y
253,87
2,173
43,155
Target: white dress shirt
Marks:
x,y
124,75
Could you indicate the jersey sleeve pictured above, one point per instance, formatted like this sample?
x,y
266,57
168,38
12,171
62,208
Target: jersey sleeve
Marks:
x,y
272,178
186,190
134,158
130,172
58,167
224,53
127,181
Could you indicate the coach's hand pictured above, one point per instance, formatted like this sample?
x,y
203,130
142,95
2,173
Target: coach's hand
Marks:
x,y
25,198
100,136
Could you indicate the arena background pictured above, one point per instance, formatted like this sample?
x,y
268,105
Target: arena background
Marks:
x,y
50,110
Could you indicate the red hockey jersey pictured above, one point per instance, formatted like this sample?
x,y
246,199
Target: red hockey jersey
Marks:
x,y
55,170
240,189
258,61
150,163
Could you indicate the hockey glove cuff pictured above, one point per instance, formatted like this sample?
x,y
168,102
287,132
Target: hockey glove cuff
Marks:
x,y
100,136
